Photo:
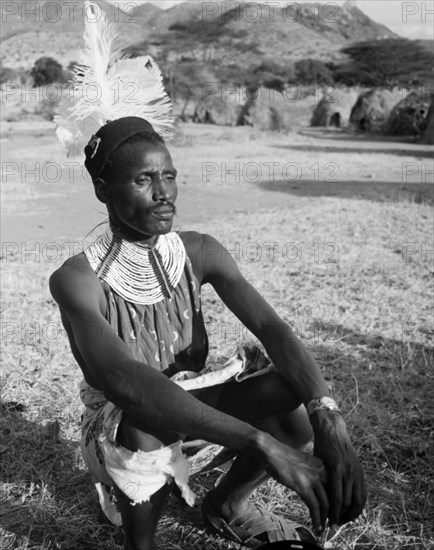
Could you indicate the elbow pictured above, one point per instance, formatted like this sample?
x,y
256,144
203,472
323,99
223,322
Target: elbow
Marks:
x,y
114,388
129,387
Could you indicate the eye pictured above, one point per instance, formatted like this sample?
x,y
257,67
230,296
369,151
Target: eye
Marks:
x,y
142,180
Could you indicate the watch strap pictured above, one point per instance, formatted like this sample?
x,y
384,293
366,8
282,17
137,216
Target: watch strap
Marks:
x,y
322,404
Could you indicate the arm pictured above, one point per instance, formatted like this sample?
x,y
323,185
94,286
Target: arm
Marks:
x,y
150,397
139,390
345,487
295,363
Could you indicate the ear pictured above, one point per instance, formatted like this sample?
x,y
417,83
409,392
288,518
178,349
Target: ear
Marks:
x,y
102,190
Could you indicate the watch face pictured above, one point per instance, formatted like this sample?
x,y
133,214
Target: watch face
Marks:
x,y
328,402
322,404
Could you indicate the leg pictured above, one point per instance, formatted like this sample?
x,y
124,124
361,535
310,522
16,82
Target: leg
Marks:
x,y
140,521
267,403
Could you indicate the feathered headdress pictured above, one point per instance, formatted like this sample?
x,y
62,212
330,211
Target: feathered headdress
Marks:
x,y
108,87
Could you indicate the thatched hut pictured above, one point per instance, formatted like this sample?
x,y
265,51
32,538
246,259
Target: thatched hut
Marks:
x,y
217,110
334,109
373,108
408,117
428,134
269,110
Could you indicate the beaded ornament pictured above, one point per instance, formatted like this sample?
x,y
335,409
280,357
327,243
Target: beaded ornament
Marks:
x,y
138,272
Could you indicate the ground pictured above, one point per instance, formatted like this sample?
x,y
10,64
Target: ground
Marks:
x,y
334,229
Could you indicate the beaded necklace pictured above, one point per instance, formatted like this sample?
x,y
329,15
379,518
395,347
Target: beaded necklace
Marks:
x,y
139,273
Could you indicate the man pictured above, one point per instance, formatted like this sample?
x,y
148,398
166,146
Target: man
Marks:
x,y
131,307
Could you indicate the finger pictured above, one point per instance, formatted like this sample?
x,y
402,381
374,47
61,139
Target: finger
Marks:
x,y
347,497
324,504
323,476
334,491
315,513
358,501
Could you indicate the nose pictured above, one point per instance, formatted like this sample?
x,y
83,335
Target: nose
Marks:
x,y
161,192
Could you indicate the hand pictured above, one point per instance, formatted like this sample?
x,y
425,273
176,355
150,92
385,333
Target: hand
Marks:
x,y
346,489
304,474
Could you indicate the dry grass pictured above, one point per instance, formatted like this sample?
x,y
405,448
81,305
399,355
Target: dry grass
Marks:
x,y
366,316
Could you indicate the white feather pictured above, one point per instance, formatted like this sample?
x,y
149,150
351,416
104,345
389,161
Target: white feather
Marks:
x,y
107,87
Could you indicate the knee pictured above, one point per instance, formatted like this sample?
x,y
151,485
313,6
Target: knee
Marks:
x,y
297,425
134,436
292,428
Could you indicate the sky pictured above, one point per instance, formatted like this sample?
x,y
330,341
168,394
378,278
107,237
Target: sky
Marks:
x,y
409,18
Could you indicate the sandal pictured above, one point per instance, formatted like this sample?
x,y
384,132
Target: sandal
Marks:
x,y
245,529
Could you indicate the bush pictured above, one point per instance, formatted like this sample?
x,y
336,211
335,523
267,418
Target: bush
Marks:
x,y
7,75
271,74
312,71
46,71
178,27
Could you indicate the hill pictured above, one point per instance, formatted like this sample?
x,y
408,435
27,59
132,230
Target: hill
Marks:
x,y
32,29
240,34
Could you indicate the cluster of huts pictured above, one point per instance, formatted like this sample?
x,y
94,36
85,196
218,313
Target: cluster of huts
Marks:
x,y
397,112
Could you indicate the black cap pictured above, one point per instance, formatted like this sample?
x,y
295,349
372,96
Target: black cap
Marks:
x,y
108,138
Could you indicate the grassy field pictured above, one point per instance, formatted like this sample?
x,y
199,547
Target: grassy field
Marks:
x,y
352,276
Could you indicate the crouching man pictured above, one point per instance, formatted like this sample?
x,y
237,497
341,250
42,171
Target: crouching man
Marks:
x,y
130,304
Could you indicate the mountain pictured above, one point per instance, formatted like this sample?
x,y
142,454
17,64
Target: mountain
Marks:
x,y
244,34
32,29
233,31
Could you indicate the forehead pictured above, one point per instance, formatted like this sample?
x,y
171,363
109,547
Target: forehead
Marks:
x,y
132,158
142,152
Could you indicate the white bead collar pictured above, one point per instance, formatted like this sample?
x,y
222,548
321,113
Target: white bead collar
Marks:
x,y
139,273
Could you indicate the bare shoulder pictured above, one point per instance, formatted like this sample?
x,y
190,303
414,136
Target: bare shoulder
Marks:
x,y
193,242
210,259
75,286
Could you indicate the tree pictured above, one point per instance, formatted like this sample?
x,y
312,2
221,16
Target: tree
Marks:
x,y
386,63
47,70
271,74
312,71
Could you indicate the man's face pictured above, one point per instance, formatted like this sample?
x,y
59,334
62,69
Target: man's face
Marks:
x,y
142,190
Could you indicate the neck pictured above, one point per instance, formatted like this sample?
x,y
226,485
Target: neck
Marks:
x,y
131,235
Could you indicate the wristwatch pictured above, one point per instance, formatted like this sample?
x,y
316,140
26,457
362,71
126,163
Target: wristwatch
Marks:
x,y
322,404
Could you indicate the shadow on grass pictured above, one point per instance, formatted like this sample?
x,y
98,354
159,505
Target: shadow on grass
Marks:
x,y
48,500
383,385
332,148
379,191
392,144
385,388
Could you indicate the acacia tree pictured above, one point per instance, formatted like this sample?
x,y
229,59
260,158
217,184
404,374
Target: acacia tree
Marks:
x,y
386,63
